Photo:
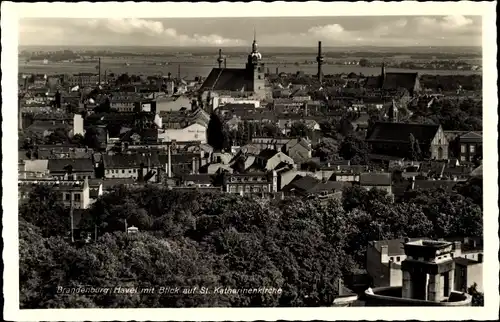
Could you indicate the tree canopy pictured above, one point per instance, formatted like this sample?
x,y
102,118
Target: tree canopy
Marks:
x,y
192,239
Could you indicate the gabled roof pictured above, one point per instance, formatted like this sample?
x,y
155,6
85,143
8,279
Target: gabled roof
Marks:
x,y
375,179
228,79
472,137
303,184
447,185
79,165
477,172
400,132
267,154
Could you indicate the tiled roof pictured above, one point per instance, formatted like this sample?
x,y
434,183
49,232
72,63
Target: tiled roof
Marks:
x,y
230,79
305,184
375,179
79,165
447,185
400,132
124,161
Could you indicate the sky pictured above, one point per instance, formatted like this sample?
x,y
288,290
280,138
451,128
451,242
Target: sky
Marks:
x,y
271,31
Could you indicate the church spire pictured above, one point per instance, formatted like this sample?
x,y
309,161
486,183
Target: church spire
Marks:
x,y
254,44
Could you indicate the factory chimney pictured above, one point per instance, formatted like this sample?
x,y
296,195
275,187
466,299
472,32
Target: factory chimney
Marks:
x,y
382,74
225,62
99,68
220,60
319,60
169,169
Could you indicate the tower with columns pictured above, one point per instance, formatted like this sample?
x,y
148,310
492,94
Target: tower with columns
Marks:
x,y
428,270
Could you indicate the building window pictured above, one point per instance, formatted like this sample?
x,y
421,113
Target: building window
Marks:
x,y
462,158
472,149
232,189
67,196
77,197
398,259
463,148
392,259
123,171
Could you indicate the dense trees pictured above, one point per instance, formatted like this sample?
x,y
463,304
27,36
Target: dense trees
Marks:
x,y
452,114
188,239
215,132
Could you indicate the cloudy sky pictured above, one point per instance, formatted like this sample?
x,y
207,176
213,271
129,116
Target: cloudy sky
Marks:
x,y
290,31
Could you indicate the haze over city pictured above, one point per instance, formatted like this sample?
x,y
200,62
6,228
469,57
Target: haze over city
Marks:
x,y
284,31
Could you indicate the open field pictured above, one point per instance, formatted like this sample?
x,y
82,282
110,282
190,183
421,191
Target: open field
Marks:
x,y
201,67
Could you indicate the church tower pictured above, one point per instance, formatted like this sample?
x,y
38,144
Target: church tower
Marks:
x,y
255,69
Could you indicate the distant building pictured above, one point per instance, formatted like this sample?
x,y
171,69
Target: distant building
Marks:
x,y
70,192
394,139
71,169
82,79
251,183
382,181
245,80
394,81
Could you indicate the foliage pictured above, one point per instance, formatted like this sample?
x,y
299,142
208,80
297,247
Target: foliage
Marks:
x,y
215,133
299,129
327,150
91,138
355,149
452,114
477,297
191,239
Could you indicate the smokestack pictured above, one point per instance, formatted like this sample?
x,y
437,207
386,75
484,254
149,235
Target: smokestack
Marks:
x,y
169,169
220,60
99,78
225,63
277,70
319,60
179,71
382,74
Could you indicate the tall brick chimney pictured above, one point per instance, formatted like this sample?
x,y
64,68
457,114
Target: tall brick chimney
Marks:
x,y
320,60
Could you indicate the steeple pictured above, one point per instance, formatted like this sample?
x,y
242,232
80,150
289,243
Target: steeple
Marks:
x,y
254,56
254,44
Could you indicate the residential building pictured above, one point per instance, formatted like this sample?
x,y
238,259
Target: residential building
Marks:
x,y
194,132
33,169
370,180
471,146
71,169
70,192
251,183
81,79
